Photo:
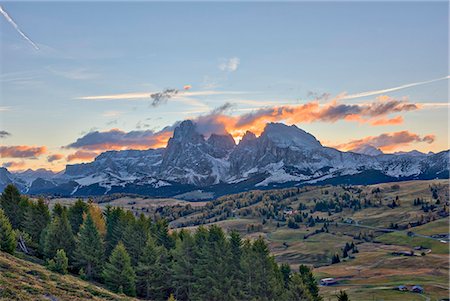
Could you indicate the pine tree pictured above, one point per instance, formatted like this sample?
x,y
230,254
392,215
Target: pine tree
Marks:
x,y
310,282
58,235
116,220
160,231
135,237
10,202
184,258
89,250
75,214
59,263
297,289
342,296
236,276
153,272
118,272
37,219
7,235
286,271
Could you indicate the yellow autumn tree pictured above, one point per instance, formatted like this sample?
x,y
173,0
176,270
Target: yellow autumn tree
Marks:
x,y
97,217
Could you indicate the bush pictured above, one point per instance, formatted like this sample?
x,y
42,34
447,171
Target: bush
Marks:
x,y
59,263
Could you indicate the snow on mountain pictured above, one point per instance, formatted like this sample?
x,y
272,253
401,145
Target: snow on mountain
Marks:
x,y
367,150
281,155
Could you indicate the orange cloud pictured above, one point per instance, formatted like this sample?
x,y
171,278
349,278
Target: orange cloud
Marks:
x,y
82,156
14,165
305,113
116,139
383,121
387,141
55,157
22,151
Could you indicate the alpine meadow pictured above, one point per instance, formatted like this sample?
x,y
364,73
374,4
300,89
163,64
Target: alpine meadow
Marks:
x,y
216,151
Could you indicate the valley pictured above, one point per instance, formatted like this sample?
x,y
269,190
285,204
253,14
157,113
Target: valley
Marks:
x,y
309,225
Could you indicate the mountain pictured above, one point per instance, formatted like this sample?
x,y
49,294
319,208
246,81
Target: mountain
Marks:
x,y
368,150
281,156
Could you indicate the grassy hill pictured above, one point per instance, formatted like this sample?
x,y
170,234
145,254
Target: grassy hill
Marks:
x,y
22,280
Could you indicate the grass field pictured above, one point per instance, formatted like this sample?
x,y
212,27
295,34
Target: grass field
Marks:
x,y
21,280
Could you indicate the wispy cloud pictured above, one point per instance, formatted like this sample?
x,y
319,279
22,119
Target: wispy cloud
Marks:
x,y
81,156
111,114
76,74
229,65
16,27
383,91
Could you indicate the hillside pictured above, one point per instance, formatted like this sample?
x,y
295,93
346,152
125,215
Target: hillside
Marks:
x,y
22,280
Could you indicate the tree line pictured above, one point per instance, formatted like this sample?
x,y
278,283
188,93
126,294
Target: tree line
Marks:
x,y
141,257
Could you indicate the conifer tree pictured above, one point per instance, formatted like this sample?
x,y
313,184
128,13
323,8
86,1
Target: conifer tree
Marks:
x,y
342,296
116,219
153,272
118,272
184,256
89,251
75,214
7,235
58,235
135,237
59,263
97,217
297,289
37,219
10,202
310,282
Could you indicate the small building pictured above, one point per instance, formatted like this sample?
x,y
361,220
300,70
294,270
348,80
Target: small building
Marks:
x,y
328,281
402,288
417,289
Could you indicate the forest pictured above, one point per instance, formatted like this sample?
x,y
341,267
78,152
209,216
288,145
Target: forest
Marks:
x,y
139,256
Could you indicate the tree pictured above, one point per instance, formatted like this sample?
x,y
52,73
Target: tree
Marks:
x,y
335,259
160,231
59,263
7,235
116,220
97,217
10,202
37,218
153,272
342,296
89,251
118,272
75,214
58,235
184,258
286,271
297,289
310,282
135,237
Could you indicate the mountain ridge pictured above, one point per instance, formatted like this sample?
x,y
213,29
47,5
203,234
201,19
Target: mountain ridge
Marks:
x,y
281,156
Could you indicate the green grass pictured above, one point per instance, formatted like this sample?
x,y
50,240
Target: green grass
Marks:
x,y
402,239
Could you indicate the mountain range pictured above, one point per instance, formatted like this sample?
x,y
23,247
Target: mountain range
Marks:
x,y
195,167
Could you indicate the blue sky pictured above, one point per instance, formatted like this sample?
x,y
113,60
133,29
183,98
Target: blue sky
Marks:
x,y
252,55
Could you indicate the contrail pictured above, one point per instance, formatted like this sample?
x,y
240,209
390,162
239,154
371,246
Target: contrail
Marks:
x,y
11,21
376,92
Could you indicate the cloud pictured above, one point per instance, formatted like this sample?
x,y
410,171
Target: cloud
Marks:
x,y
14,165
116,139
76,74
22,151
229,65
4,134
111,113
16,27
82,155
385,121
55,157
387,141
383,91
147,95
162,97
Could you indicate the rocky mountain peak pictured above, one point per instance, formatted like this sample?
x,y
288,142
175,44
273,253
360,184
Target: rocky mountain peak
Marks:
x,y
289,136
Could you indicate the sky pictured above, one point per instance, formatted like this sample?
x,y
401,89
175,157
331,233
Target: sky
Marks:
x,y
80,78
